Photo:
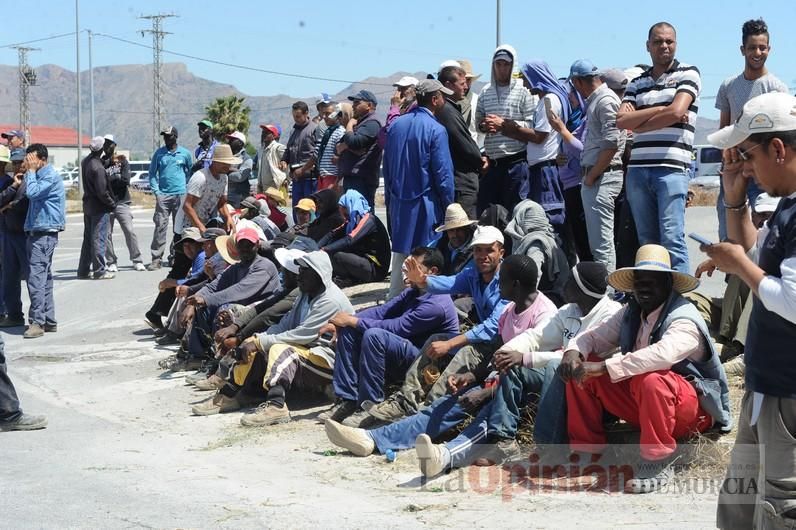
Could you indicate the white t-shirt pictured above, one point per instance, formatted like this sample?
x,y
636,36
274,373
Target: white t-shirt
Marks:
x,y
548,149
209,189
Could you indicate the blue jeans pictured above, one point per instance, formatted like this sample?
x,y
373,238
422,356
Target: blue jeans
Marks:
x,y
752,191
41,247
201,332
365,360
15,269
657,198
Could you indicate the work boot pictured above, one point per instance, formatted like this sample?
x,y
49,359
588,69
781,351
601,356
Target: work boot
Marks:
x,y
431,456
357,441
154,266
359,419
50,328
186,364
650,476
26,422
501,451
217,404
266,414
389,410
8,322
168,339
340,411
34,331
210,383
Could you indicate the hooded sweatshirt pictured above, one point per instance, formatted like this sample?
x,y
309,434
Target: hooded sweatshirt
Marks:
x,y
303,322
327,214
513,102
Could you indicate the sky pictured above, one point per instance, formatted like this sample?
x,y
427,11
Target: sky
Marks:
x,y
349,42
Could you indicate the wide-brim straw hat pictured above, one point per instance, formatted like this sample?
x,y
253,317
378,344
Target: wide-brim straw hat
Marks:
x,y
654,258
276,195
455,217
223,155
468,69
226,247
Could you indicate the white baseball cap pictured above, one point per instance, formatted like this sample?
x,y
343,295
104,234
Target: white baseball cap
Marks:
x,y
287,258
486,235
765,203
449,62
239,135
767,113
406,81
96,143
110,138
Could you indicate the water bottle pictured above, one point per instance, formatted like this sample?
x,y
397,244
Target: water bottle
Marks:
x,y
391,455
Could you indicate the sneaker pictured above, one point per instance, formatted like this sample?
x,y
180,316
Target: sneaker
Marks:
x,y
168,361
34,331
735,367
139,266
651,476
201,375
154,266
266,414
360,419
153,320
217,404
357,441
185,364
389,410
107,275
430,456
83,276
341,410
26,422
210,383
7,322
113,268
501,451
169,338
160,332
50,328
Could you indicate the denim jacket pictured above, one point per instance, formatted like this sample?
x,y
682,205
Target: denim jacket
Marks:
x,y
47,209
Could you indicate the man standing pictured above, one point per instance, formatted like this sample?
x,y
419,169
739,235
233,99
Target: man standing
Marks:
x,y
168,174
600,161
14,204
660,107
239,176
98,203
300,148
470,101
207,145
323,160
266,164
359,150
735,91
46,217
464,151
117,169
759,490
16,139
324,106
418,175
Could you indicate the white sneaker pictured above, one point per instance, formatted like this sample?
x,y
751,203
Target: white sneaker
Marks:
x,y
139,266
112,268
430,456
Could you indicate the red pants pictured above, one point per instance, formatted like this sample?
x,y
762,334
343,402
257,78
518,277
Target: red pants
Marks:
x,y
663,405
327,181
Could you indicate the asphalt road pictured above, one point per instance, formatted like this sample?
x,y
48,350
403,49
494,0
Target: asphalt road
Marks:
x,y
121,449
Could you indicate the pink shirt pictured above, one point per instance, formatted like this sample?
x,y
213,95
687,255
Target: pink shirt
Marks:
x,y
511,324
682,340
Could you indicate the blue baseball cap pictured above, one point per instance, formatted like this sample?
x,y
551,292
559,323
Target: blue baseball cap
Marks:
x,y
324,98
583,68
17,154
10,134
364,95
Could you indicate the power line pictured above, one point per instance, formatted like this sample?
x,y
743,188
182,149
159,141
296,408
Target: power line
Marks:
x,y
243,67
14,45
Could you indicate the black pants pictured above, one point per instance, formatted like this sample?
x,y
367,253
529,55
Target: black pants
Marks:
x,y
574,229
179,270
270,316
626,238
501,183
354,267
9,403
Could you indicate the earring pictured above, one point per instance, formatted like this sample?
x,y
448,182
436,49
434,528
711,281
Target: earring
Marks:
x,y
780,161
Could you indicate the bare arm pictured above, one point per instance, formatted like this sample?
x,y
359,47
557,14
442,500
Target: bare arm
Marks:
x,y
190,212
674,112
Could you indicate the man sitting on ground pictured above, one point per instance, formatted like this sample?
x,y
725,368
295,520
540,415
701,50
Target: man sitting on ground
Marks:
x,y
668,382
380,343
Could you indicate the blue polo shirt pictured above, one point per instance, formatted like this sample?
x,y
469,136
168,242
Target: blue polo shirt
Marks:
x,y
169,171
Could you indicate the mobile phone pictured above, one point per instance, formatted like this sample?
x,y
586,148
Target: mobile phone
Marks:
x,y
700,239
326,339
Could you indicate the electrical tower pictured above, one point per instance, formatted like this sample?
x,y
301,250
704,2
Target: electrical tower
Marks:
x,y
157,48
27,79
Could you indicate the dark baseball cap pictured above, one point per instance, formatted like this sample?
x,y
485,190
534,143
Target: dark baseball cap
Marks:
x,y
17,154
10,134
364,95
210,234
169,131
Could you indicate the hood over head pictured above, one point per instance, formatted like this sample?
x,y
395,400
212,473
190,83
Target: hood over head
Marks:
x,y
542,78
505,48
319,262
325,202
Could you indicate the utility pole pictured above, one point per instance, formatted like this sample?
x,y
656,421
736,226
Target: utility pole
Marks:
x,y
157,48
79,106
497,25
27,79
91,83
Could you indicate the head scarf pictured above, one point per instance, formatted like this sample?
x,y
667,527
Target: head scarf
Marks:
x,y
541,78
327,214
357,207
530,227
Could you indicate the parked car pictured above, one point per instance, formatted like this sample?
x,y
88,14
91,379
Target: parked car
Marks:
x,y
69,176
139,180
706,163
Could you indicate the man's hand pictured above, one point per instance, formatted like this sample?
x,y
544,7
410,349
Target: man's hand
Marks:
x,y
484,164
396,98
493,123
181,291
32,162
571,366
283,165
727,257
209,271
196,300
505,360
413,272
555,122
168,283
18,179
475,398
589,179
327,328
706,267
229,224
344,320
458,382
244,352
225,333
438,349
735,183
224,318
562,160
187,315
298,173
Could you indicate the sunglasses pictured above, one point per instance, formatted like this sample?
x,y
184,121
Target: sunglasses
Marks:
x,y
744,155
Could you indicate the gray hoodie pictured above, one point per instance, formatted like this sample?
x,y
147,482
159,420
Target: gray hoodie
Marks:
x,y
303,322
513,102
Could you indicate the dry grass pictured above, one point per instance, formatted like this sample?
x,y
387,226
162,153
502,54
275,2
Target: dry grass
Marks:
x,y
704,196
145,200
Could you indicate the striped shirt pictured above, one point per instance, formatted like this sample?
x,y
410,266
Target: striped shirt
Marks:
x,y
668,146
325,164
514,102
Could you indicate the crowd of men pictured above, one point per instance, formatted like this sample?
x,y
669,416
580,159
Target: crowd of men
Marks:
x,y
533,231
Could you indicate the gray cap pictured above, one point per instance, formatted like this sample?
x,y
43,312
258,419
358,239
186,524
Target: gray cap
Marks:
x,y
427,86
614,78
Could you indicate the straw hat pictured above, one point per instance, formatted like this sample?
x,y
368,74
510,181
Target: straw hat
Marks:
x,y
455,217
468,69
226,247
653,258
276,195
223,155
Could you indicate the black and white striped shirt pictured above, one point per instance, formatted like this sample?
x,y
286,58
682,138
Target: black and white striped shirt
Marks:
x,y
669,146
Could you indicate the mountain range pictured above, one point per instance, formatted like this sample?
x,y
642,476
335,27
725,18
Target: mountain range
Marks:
x,y
123,102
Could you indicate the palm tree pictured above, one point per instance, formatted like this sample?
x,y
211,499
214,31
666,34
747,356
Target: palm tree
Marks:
x,y
228,115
